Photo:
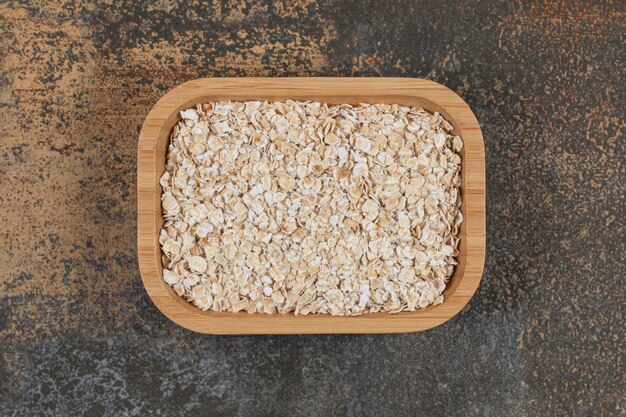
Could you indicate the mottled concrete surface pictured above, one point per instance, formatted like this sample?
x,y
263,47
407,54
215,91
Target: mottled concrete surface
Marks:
x,y
544,334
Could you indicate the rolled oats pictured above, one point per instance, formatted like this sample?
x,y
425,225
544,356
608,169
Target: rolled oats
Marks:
x,y
301,207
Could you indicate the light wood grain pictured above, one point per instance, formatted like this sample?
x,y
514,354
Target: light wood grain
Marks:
x,y
152,147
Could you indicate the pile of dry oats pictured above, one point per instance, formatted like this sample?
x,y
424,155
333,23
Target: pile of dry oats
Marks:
x,y
302,207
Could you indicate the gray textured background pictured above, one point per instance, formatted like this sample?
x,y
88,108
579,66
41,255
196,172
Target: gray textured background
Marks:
x,y
544,334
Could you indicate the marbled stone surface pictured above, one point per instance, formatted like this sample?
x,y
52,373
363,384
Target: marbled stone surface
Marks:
x,y
544,334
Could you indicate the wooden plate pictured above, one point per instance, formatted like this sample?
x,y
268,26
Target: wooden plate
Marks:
x,y
152,148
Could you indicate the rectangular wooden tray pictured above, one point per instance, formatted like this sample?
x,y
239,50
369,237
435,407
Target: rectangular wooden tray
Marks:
x,y
434,97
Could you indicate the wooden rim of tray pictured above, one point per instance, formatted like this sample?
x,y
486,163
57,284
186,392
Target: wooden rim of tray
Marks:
x,y
152,148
